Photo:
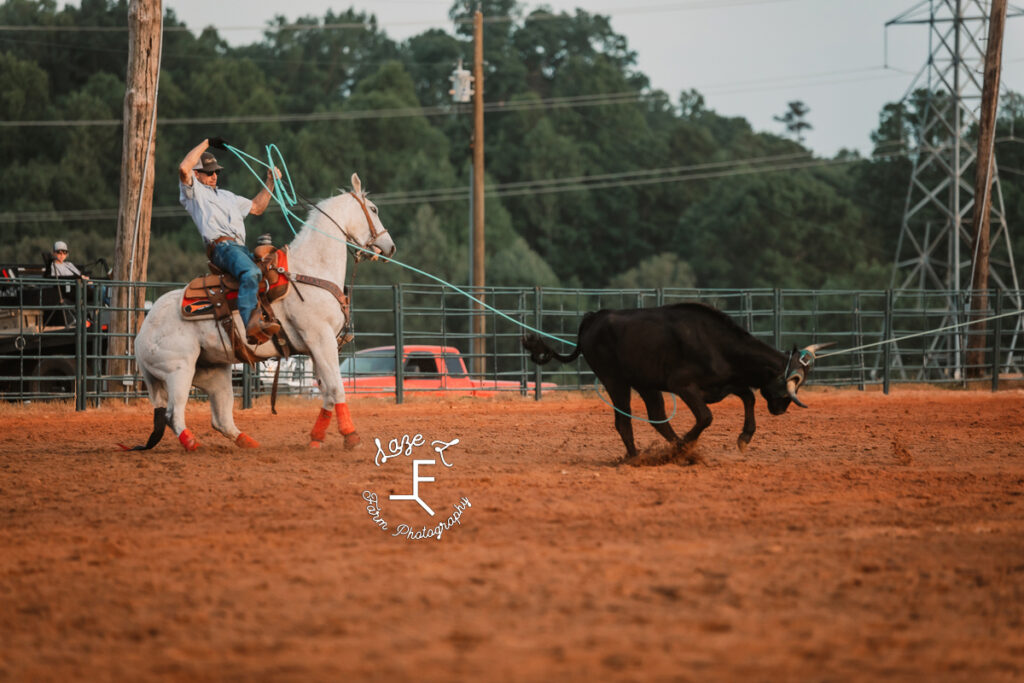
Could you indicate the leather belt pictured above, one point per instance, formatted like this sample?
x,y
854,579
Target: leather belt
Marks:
x,y
211,245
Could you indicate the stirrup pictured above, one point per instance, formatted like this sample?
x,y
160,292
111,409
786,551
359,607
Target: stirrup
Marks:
x,y
259,332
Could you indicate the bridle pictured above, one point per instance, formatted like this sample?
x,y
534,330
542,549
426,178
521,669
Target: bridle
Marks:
x,y
374,233
361,250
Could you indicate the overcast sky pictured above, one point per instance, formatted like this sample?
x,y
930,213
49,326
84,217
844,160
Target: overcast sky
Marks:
x,y
748,57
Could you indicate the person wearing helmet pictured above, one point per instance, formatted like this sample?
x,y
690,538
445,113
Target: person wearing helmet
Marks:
x,y
218,215
59,264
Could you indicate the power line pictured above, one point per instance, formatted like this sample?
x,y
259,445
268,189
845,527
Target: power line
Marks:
x,y
672,174
759,84
64,45
627,97
335,26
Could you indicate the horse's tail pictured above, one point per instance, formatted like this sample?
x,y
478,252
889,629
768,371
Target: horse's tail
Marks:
x,y
157,396
159,425
541,353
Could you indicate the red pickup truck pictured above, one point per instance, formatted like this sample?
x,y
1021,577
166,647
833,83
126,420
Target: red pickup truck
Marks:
x,y
438,370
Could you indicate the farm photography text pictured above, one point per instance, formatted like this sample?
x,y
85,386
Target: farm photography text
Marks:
x,y
405,446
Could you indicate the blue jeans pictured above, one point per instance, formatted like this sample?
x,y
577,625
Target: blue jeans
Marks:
x,y
232,257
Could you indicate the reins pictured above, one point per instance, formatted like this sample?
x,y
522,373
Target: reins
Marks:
x,y
351,244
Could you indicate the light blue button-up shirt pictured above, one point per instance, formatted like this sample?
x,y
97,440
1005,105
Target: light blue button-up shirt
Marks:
x,y
216,212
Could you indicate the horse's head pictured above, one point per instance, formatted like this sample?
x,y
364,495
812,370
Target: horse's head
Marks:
x,y
368,234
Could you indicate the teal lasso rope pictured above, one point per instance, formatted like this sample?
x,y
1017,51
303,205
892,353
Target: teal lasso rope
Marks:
x,y
675,407
285,195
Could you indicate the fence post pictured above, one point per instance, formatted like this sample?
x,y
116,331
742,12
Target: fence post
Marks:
x,y
858,337
997,333
80,355
99,338
777,321
887,346
538,319
399,343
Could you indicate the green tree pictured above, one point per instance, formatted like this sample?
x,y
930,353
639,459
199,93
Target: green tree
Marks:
x,y
771,230
795,120
660,271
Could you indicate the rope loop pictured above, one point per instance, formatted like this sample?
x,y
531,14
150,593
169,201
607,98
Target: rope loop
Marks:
x,y
287,199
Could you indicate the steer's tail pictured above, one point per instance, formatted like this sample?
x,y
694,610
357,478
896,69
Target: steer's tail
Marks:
x,y
541,353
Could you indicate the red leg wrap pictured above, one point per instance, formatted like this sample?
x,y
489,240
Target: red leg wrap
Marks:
x,y
345,425
245,441
323,421
188,441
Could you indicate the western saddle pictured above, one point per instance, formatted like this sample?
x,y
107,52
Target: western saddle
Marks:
x,y
215,296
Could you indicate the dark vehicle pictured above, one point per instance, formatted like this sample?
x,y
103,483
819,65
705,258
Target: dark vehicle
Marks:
x,y
40,331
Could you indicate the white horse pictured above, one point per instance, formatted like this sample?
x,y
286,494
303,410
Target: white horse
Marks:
x,y
174,354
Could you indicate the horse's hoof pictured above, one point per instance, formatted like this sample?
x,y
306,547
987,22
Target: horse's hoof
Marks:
x,y
245,441
188,441
351,440
315,444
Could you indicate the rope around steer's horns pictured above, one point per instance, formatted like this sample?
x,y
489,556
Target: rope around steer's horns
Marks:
x,y
798,374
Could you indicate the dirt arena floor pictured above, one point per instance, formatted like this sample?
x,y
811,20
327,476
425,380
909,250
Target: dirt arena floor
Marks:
x,y
869,537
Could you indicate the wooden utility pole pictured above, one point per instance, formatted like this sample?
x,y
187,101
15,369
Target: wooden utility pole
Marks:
x,y
983,185
135,204
479,320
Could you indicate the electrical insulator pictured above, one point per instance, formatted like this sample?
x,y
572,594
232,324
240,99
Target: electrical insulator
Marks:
x,y
462,84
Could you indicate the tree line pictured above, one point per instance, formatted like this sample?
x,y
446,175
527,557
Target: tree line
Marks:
x,y
594,178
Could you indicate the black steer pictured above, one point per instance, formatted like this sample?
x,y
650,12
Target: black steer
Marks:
x,y
692,350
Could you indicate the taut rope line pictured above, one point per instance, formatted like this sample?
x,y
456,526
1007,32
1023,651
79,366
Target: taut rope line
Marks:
x,y
287,197
893,340
286,201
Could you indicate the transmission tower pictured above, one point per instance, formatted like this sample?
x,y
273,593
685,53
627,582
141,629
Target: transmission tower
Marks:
x,y
934,247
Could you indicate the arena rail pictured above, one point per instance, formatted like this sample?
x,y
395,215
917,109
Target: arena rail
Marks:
x,y
57,337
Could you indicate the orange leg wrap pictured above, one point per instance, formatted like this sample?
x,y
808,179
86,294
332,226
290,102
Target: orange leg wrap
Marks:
x,y
345,425
188,441
245,441
323,421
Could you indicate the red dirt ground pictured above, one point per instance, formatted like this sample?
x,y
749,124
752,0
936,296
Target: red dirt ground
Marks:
x,y
869,537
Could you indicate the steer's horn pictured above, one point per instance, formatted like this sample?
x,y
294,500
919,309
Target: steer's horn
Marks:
x,y
814,348
791,390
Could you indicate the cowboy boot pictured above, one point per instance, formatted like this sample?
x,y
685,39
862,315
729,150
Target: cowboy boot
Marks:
x,y
270,327
254,333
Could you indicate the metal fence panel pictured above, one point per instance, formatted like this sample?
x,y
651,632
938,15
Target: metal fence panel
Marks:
x,y
55,336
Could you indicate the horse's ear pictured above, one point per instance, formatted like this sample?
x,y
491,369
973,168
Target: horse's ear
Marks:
x,y
357,186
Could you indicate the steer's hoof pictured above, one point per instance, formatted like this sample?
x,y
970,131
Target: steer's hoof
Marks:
x,y
315,444
188,441
352,440
245,441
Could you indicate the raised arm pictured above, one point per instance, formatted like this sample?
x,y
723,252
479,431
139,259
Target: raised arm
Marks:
x,y
261,200
190,161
